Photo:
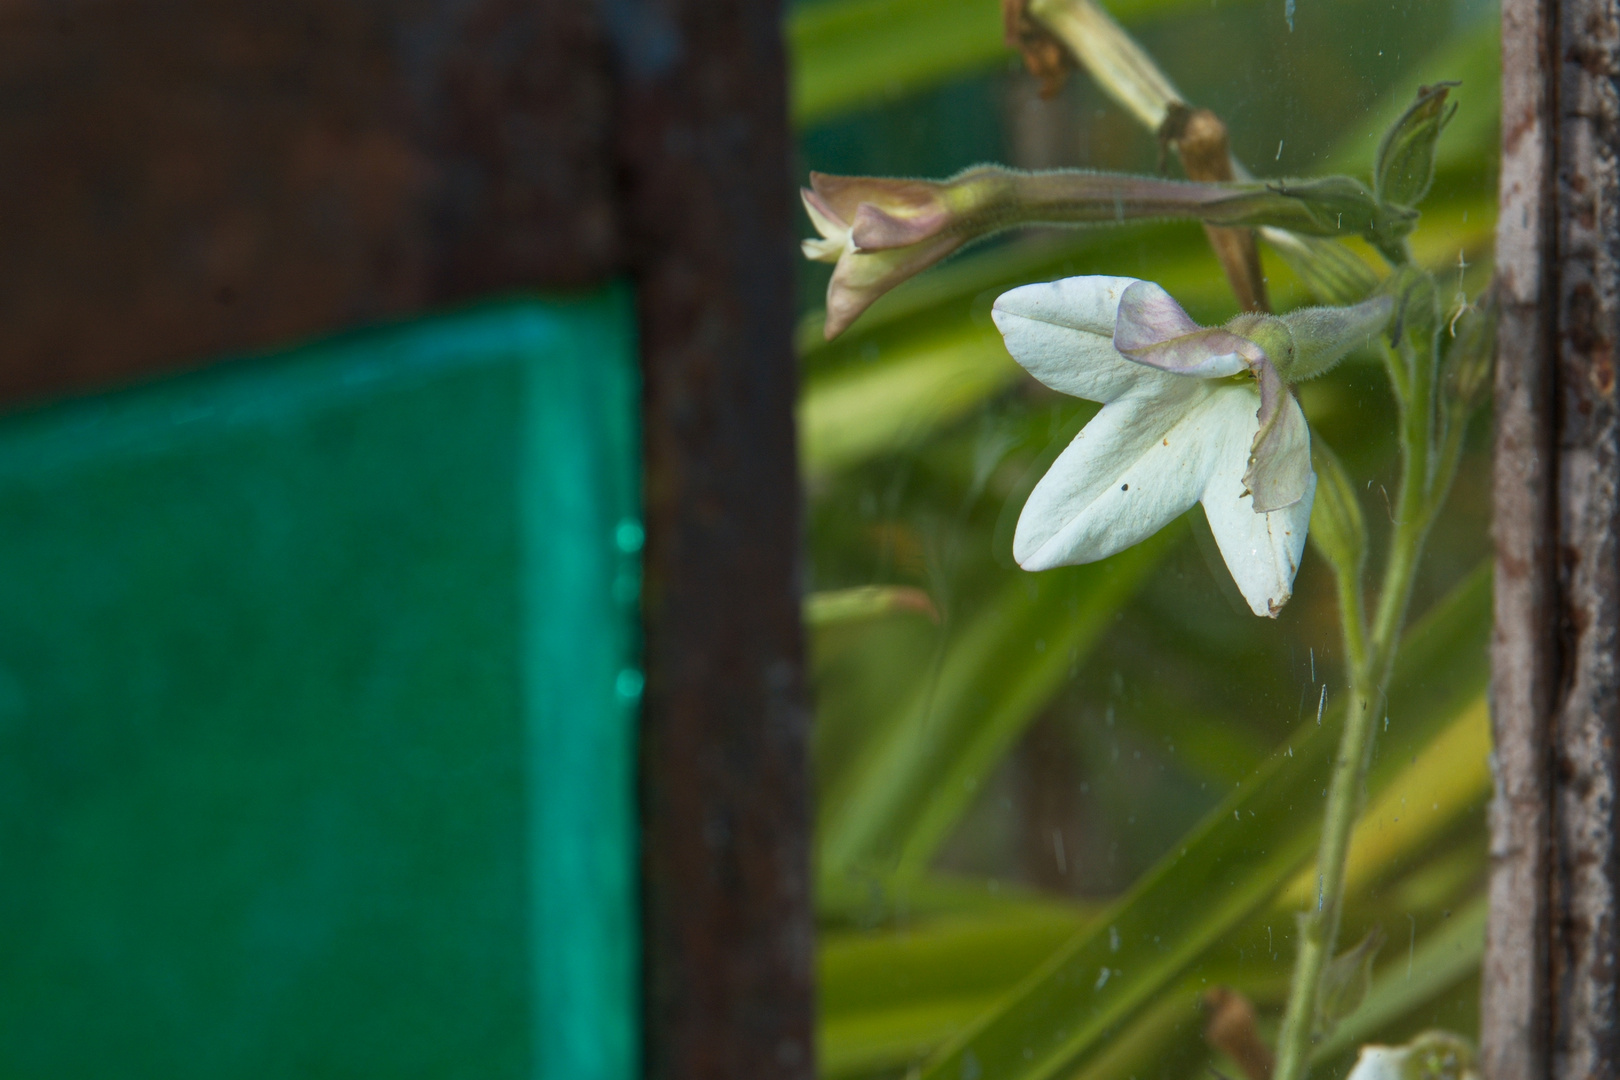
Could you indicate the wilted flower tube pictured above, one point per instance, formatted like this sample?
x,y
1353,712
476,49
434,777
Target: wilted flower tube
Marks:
x,y
1190,415
881,231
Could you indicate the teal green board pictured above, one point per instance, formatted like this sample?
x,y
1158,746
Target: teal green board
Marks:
x,y
318,688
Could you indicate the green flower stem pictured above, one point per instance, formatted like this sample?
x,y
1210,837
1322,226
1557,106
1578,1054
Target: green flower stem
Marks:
x,y
1370,660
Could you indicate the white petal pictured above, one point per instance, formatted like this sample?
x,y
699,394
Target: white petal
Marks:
x,y
1380,1063
1261,550
1140,463
1062,332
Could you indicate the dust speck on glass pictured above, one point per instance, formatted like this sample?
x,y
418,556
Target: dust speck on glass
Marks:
x,y
1146,355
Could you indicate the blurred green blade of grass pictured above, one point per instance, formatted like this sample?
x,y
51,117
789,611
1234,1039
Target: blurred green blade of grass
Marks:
x,y
836,606
1443,958
850,416
869,905
921,980
1445,780
1472,57
1233,862
854,54
886,997
919,771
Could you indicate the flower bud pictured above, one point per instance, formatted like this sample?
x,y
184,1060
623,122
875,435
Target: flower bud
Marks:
x,y
1338,531
1405,163
879,232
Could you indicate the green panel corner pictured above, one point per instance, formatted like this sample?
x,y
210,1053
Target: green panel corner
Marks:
x,y
317,697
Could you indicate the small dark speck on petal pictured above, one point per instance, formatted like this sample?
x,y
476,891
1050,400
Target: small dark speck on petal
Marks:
x,y
1124,487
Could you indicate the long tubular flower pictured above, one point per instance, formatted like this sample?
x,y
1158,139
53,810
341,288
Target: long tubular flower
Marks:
x,y
881,231
1190,415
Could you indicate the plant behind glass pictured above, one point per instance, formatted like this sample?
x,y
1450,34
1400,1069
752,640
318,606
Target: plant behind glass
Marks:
x,y
1194,414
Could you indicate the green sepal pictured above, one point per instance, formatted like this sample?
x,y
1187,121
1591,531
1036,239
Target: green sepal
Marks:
x,y
1321,336
1346,980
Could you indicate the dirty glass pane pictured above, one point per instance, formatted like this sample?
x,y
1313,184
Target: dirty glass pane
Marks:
x,y
1068,817
317,700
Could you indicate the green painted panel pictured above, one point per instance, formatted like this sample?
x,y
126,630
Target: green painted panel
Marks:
x,y
317,700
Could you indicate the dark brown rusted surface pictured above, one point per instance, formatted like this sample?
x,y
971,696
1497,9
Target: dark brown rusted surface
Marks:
x,y
180,178
704,151
1549,1006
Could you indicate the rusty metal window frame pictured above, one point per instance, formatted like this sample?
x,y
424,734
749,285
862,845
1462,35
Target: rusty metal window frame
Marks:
x,y
457,150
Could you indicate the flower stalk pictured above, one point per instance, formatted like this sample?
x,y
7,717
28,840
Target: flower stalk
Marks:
x,y
1430,435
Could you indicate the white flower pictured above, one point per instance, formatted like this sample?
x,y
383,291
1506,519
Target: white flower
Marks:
x,y
1189,415
1433,1055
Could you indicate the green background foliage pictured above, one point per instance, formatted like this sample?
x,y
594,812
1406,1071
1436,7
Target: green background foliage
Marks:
x,y
1052,817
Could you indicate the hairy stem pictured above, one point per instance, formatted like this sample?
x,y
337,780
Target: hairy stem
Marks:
x,y
1370,659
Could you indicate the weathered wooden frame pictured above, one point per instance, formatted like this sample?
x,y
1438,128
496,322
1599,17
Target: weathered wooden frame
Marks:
x,y
1549,986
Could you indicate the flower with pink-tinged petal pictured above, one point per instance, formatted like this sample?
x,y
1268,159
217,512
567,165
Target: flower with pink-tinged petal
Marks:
x,y
1190,415
879,232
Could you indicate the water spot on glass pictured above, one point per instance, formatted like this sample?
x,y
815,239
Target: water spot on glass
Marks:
x,y
629,683
629,536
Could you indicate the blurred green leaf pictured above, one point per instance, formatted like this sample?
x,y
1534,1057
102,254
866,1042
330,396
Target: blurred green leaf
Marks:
x,y
1446,778
903,904
886,997
1233,863
1472,58
1445,957
853,54
849,54
865,602
861,412
919,772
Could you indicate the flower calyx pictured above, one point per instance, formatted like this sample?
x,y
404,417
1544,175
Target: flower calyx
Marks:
x,y
1153,329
